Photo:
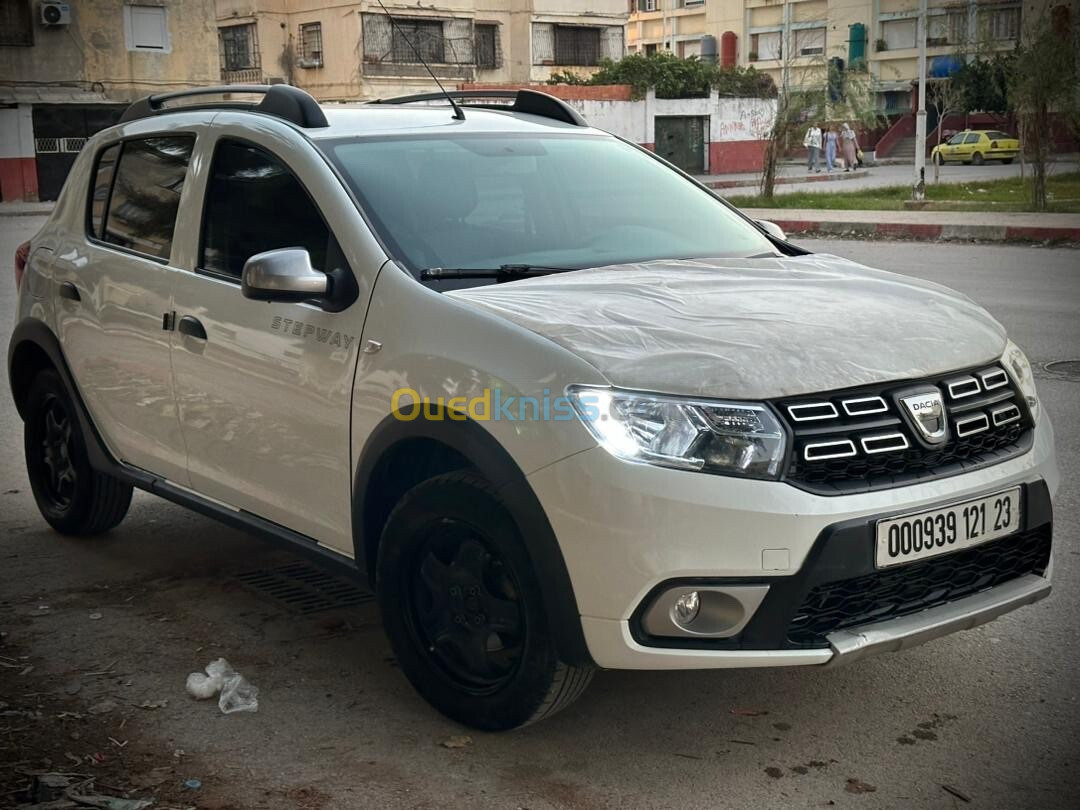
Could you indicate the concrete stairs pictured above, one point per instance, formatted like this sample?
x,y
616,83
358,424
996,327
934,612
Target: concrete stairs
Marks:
x,y
904,149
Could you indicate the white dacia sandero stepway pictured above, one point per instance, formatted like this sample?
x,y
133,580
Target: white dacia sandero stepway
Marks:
x,y
561,405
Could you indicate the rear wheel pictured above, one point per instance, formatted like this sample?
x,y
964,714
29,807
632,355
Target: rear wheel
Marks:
x,y
462,607
977,159
1007,161
72,496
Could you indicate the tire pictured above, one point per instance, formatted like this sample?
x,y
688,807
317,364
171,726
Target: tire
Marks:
x,y
462,607
977,159
73,498
938,159
1007,161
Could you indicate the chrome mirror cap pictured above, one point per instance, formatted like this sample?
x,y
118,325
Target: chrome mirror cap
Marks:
x,y
284,274
773,229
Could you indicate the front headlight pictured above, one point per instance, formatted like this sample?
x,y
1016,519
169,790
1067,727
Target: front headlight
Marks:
x,y
1019,368
728,438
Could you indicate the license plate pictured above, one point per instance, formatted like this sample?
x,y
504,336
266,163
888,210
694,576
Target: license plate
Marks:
x,y
939,531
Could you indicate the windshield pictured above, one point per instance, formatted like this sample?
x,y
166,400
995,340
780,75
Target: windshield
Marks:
x,y
484,201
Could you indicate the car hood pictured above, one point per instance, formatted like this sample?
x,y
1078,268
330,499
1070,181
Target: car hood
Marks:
x,y
749,328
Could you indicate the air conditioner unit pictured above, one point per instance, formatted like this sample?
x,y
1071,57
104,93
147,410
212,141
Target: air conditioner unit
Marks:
x,y
55,14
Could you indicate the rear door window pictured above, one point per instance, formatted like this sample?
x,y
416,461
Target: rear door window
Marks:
x,y
99,192
254,204
146,194
973,138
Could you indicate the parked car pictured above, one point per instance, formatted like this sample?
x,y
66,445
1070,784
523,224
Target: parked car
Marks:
x,y
977,146
560,404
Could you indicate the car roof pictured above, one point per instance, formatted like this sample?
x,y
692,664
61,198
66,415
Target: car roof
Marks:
x,y
359,120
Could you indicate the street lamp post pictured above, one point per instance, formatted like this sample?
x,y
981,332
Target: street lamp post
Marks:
x,y
918,192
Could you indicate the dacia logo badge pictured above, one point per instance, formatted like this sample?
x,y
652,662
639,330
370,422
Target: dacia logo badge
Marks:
x,y
926,411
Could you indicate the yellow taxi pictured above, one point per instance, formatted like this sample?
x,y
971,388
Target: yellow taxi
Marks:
x,y
977,146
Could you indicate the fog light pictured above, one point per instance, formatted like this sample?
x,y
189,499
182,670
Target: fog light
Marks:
x,y
686,608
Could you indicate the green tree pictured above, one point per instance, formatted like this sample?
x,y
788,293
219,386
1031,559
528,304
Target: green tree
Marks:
x,y
673,77
1042,85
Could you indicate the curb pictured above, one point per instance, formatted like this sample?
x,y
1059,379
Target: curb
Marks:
x,y
23,211
789,180
932,233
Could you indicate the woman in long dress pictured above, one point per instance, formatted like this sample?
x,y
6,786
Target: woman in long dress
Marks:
x,y
850,147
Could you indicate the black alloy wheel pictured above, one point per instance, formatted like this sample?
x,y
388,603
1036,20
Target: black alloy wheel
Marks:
x,y
464,610
465,607
71,495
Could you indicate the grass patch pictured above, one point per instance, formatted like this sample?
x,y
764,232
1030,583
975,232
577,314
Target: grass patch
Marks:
x,y
1009,194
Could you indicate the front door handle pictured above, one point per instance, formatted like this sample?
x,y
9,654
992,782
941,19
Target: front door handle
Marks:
x,y
70,291
191,327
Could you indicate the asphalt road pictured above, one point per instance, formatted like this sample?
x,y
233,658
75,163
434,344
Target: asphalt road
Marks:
x,y
99,633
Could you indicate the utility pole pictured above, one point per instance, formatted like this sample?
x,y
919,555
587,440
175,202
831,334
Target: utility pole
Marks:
x,y
918,192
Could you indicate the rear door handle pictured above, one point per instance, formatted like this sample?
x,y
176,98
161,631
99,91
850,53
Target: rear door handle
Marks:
x,y
192,327
70,291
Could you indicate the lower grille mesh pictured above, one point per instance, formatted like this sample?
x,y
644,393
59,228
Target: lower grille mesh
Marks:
x,y
914,587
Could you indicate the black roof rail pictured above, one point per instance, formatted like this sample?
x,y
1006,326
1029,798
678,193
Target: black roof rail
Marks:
x,y
279,100
525,101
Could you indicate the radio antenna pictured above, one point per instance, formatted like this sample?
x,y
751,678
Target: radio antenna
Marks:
x,y
458,113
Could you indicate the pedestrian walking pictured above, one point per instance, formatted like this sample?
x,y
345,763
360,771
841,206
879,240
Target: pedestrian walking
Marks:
x,y
812,142
830,148
850,146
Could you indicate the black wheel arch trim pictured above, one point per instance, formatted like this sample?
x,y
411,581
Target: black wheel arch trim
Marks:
x,y
469,440
38,333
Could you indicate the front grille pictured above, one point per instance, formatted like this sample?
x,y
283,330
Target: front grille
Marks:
x,y
917,586
858,440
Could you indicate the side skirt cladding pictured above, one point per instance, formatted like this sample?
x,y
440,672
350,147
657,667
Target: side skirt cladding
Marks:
x,y
453,444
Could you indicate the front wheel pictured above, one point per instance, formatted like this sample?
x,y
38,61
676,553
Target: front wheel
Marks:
x,y
462,607
977,159
1007,161
72,496
938,159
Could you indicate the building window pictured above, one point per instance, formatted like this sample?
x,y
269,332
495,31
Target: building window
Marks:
x,y
239,48
946,29
899,34
16,23
576,45
412,36
688,48
487,46
648,5
310,40
1000,24
766,46
809,41
449,41
146,28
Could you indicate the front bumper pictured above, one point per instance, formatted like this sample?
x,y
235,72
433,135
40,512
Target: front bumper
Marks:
x,y
627,529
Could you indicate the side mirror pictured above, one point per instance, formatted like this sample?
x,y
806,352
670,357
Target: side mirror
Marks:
x,y
772,229
284,274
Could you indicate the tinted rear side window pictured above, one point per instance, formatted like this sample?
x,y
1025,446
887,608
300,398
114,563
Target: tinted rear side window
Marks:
x,y
253,204
99,192
146,194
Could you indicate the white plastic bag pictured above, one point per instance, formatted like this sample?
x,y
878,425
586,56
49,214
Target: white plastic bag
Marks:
x,y
237,694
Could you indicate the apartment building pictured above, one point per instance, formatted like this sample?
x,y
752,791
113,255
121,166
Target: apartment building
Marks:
x,y
793,40
68,69
354,50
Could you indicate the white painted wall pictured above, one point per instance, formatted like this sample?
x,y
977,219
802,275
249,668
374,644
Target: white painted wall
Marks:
x,y
730,119
16,132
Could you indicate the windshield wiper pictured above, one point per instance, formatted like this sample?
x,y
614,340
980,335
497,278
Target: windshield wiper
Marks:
x,y
502,272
